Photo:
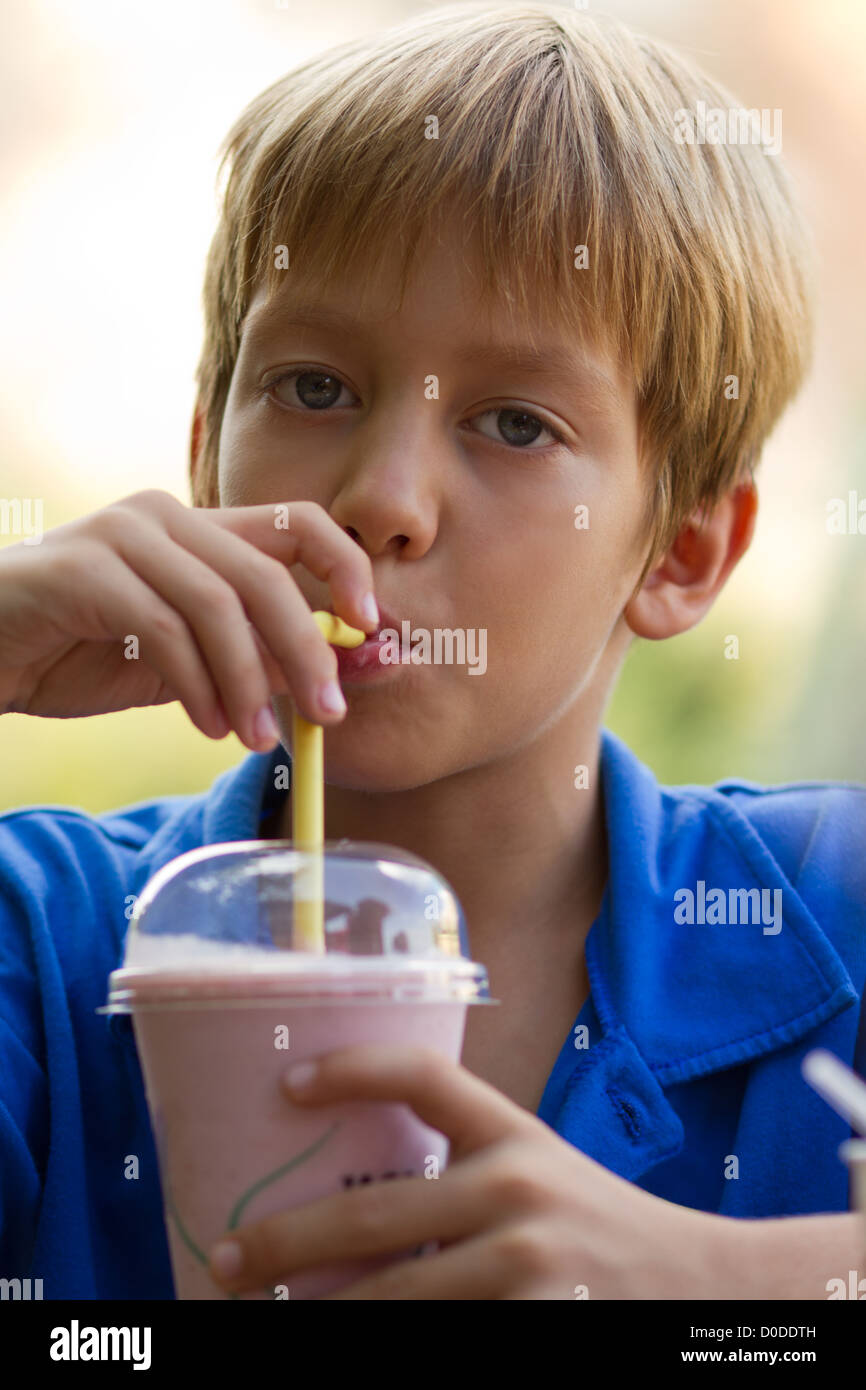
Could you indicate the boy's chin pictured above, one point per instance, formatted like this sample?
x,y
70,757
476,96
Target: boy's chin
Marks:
x,y
382,766
382,778
385,755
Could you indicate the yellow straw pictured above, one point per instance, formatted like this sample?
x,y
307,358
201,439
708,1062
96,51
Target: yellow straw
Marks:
x,y
308,803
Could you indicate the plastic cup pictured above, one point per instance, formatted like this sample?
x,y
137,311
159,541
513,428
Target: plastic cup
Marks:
x,y
222,1005
853,1152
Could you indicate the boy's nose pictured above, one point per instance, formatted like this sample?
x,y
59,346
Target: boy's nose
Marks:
x,y
393,545
390,494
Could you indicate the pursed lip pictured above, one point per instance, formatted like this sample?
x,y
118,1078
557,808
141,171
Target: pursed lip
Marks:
x,y
364,662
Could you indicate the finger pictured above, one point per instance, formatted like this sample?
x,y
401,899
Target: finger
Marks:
x,y
312,539
277,682
214,613
273,602
392,1217
470,1112
492,1266
125,604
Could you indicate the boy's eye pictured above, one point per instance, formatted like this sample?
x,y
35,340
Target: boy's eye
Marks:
x,y
516,427
312,389
318,390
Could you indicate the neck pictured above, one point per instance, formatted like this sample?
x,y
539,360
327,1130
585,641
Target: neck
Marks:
x,y
523,849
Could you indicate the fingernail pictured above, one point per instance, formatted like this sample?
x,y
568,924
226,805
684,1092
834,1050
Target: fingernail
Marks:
x,y
265,726
331,698
369,608
301,1075
227,1259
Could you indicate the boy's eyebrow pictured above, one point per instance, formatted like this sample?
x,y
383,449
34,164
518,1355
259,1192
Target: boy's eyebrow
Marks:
x,y
576,373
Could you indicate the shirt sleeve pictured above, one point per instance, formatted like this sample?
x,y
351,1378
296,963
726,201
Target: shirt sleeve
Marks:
x,y
24,1106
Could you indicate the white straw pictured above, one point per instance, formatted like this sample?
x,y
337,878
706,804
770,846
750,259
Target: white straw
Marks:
x,y
839,1085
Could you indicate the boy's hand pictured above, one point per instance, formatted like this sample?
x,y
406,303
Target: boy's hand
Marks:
x,y
220,623
519,1213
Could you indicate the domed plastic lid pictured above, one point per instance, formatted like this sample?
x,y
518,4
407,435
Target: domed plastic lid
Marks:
x,y
223,924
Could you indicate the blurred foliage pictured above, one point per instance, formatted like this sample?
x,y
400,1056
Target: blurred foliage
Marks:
x,y
109,760
827,731
694,714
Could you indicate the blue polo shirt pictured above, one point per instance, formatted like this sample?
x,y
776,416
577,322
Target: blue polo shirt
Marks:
x,y
731,940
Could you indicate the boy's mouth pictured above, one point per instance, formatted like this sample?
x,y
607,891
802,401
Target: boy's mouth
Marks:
x,y
364,662
386,620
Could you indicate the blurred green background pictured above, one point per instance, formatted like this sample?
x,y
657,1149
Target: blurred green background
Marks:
x,y
108,207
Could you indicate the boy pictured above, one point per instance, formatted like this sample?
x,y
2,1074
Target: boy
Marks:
x,y
471,309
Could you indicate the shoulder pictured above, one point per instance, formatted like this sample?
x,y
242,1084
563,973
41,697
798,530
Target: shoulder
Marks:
x,y
813,829
65,865
128,827
54,832
74,861
801,830
68,883
807,838
815,833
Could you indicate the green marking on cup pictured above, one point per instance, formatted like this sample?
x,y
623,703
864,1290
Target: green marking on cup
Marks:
x,y
279,1173
244,1199
184,1233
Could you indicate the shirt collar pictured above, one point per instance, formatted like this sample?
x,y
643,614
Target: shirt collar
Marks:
x,y
244,796
233,809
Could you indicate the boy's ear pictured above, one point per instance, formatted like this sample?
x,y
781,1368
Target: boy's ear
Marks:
x,y
685,583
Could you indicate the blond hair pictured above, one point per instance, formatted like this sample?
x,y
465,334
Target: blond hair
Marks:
x,y
555,130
